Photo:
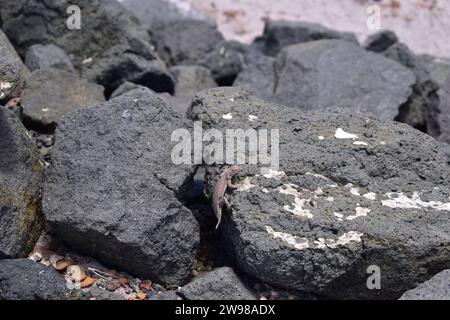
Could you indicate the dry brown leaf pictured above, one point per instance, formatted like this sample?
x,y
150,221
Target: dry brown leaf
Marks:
x,y
87,282
64,264
140,295
54,259
146,285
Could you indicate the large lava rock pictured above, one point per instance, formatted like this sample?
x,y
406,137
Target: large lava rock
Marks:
x,y
40,56
437,288
48,94
443,117
111,46
21,174
219,284
11,70
332,74
350,192
280,34
24,279
185,41
112,189
422,108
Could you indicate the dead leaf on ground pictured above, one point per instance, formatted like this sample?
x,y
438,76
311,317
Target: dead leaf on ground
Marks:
x,y
146,285
87,282
140,295
64,264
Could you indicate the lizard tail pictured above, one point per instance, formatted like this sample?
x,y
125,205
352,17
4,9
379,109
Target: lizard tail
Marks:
x,y
218,222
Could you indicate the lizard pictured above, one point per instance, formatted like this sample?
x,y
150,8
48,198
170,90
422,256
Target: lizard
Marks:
x,y
218,197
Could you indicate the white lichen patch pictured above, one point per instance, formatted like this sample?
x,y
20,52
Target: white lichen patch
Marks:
x,y
227,116
5,85
296,242
345,239
87,61
370,196
252,118
296,207
273,174
399,200
45,110
338,215
245,184
330,199
125,114
341,134
360,143
265,190
321,137
360,212
382,143
355,191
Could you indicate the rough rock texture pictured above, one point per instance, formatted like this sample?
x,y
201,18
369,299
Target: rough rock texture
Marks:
x,y
280,34
332,73
185,41
437,288
20,188
350,192
446,148
191,79
438,68
443,117
112,189
219,284
112,46
149,12
380,41
48,94
180,105
225,61
40,56
10,70
421,111
24,279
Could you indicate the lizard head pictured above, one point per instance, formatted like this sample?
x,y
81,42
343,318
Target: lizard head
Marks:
x,y
234,169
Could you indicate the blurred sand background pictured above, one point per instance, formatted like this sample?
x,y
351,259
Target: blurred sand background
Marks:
x,y
424,25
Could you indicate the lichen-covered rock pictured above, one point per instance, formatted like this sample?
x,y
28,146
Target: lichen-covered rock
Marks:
x,y
24,279
48,94
40,56
21,174
219,284
332,74
11,70
280,34
380,41
350,192
112,189
111,46
437,288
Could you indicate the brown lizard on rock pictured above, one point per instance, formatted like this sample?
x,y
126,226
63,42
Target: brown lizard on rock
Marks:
x,y
218,197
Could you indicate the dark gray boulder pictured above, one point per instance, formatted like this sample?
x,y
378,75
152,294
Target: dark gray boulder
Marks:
x,y
332,74
24,279
48,94
438,68
219,284
112,189
351,193
185,41
191,79
178,104
280,34
149,12
10,70
21,174
112,46
40,56
421,111
380,41
437,288
225,61
443,116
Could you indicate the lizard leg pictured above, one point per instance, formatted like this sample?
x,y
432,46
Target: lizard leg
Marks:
x,y
230,185
226,203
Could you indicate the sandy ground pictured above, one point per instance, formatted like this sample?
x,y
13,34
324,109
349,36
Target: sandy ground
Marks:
x,y
424,25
